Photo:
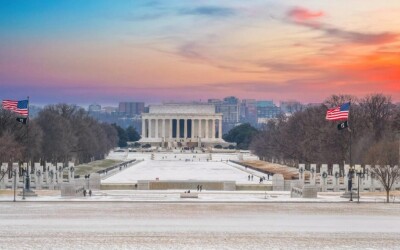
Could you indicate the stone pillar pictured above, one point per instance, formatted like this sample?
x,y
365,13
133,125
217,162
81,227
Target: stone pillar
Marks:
x,y
359,180
192,128
156,135
302,168
324,176
206,128
143,128
60,172
369,178
15,167
213,129
220,129
71,172
52,177
38,175
170,128
346,176
149,128
313,172
163,128
185,128
336,176
3,175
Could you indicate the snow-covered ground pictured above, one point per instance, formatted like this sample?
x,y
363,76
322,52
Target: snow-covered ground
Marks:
x,y
184,170
126,225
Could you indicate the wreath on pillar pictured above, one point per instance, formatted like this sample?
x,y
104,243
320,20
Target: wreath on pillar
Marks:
x,y
324,175
38,173
312,170
301,170
71,169
337,175
2,172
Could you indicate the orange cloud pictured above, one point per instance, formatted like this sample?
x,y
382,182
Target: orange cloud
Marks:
x,y
301,14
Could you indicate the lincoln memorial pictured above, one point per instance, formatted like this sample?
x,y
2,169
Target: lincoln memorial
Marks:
x,y
187,125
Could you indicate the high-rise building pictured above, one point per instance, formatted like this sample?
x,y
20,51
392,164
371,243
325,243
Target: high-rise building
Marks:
x,y
131,108
248,111
230,109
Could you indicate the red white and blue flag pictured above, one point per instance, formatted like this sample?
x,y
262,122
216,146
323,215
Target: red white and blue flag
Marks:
x,y
338,113
20,107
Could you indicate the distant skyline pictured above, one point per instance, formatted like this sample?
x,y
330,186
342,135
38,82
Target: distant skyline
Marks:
x,y
100,51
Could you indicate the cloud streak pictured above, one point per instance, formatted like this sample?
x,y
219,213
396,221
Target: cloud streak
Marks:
x,y
211,11
301,14
306,18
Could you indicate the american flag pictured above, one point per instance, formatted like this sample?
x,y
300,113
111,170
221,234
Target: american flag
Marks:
x,y
20,107
338,113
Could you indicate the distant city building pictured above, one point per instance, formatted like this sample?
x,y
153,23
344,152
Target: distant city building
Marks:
x,y
248,111
267,103
109,109
267,109
131,108
230,109
94,108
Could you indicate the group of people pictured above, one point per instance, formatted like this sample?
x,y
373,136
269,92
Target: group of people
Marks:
x,y
199,188
85,192
262,179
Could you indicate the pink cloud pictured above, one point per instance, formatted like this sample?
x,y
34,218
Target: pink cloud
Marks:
x,y
301,14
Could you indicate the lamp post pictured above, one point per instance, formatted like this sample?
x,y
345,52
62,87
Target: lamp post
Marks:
x,y
360,174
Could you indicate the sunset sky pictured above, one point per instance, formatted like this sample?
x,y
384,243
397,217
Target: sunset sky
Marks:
x,y
108,51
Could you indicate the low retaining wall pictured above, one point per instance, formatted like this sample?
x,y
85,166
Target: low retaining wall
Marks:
x,y
253,187
122,186
187,185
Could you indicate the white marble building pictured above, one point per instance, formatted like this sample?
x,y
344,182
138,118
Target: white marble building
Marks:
x,y
174,125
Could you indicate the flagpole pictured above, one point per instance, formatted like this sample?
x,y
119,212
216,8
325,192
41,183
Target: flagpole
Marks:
x,y
27,178
351,170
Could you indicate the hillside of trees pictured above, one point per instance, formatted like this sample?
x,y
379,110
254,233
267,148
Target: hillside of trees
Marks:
x,y
59,133
306,137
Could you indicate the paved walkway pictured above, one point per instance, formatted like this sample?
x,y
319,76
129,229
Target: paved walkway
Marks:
x,y
126,225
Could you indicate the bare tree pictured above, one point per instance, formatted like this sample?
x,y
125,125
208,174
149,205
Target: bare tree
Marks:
x,y
384,159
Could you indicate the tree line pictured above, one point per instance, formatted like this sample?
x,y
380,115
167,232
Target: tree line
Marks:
x,y
59,133
306,137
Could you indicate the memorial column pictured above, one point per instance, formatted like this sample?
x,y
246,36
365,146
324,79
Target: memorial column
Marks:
x,y
156,132
149,128
143,127
220,129
206,128
192,129
163,128
213,129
